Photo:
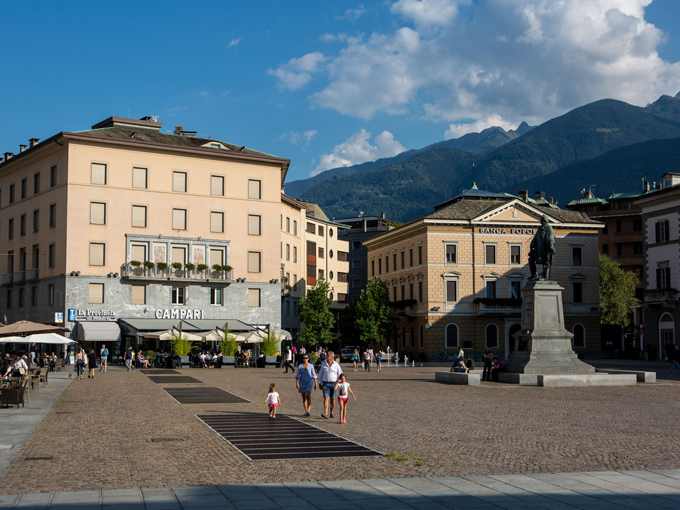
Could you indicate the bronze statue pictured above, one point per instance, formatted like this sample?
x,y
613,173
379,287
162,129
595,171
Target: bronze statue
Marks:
x,y
542,249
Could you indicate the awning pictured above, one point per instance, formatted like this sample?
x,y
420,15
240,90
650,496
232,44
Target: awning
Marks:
x,y
168,335
38,338
98,331
140,326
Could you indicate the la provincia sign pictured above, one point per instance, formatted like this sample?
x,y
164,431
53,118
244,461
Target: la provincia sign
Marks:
x,y
176,313
514,231
91,315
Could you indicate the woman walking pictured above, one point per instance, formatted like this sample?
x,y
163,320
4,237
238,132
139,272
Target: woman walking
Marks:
x,y
91,363
80,362
305,380
355,359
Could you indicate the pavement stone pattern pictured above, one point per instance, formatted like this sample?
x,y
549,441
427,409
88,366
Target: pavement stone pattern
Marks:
x,y
103,434
656,489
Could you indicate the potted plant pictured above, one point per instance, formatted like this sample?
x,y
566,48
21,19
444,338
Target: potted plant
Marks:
x,y
181,346
202,267
148,264
270,346
162,266
189,266
135,263
177,266
228,346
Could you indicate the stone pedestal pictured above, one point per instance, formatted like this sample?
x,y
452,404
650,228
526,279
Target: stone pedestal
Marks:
x,y
543,346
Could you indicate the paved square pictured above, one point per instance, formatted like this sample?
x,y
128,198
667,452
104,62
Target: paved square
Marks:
x,y
203,395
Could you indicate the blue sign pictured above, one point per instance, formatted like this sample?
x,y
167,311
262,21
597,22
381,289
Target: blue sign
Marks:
x,y
59,317
71,314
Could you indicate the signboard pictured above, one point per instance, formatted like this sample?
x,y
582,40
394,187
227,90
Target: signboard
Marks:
x,y
513,231
92,315
176,313
71,314
59,317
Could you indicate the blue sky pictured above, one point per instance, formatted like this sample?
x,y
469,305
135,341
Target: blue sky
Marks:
x,y
328,83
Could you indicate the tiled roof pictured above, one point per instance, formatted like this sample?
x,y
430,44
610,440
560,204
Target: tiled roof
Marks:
x,y
616,196
586,201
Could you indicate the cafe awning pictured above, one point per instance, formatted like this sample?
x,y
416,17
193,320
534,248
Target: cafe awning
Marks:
x,y
142,326
168,335
98,331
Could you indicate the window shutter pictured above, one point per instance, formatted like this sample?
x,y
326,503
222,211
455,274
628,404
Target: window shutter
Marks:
x,y
139,216
178,254
96,293
217,185
216,257
138,252
98,173
138,294
254,189
658,277
668,278
96,254
97,213
253,297
179,219
216,222
253,225
139,178
253,262
179,182
667,231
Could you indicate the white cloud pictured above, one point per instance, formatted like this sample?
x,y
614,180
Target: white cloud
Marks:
x,y
353,14
299,138
233,42
458,130
333,37
297,72
357,149
520,59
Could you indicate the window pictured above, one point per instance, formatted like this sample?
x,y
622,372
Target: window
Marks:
x,y
178,296
515,254
403,265
217,222
139,216
412,337
140,178
420,255
372,267
387,264
215,296
36,183
394,261
138,294
637,226
342,277
36,220
663,278
637,248
96,293
9,299
356,245
311,228
97,251
11,193
491,336
288,225
179,219
618,226
53,177
295,280
321,273
254,190
10,229
294,227
254,225
254,297
577,255
605,249
490,253
420,292
50,294
254,262
410,258
98,174
343,256
320,252
403,293
451,291
179,182
138,252
451,253
97,213
288,251
311,249
491,289
356,264
51,255
579,340
403,336
577,292
356,283
662,228
619,249
53,215
321,230
216,256
379,266
21,297
605,230
217,185
394,294
22,225
24,188
515,289
451,335
410,291
294,253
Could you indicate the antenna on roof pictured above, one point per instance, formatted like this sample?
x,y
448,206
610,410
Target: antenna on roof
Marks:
x,y
474,186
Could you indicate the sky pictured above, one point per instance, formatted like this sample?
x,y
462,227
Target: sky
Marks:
x,y
327,84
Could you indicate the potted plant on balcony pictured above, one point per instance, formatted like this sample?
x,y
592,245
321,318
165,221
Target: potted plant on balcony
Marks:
x,y
177,266
149,265
189,267
135,263
162,266
202,268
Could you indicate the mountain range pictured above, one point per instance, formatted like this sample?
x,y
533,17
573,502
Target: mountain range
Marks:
x,y
561,156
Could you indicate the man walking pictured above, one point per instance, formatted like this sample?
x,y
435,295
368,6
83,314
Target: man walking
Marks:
x,y
328,376
675,360
129,357
288,358
367,360
488,361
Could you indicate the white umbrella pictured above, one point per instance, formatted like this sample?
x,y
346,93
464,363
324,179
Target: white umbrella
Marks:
x,y
38,338
167,335
212,336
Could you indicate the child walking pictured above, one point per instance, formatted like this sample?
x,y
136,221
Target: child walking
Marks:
x,y
343,396
378,360
273,400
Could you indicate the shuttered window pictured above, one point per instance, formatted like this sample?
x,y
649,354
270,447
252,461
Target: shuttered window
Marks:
x,y
96,293
217,185
97,254
97,213
140,178
98,173
254,225
253,297
254,262
138,252
179,182
216,257
179,254
179,219
254,189
139,216
138,294
216,222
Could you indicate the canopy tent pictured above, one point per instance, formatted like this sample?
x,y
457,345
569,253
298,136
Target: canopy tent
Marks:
x,y
38,338
23,328
168,335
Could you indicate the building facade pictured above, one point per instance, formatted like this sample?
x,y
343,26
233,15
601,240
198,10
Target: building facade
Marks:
x,y
455,276
125,222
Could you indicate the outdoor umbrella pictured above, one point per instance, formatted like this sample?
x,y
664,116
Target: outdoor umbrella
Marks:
x,y
167,335
23,328
38,338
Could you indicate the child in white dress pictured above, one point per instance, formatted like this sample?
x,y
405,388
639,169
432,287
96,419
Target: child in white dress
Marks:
x,y
343,396
273,400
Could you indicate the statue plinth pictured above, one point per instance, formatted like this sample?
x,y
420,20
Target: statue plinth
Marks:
x,y
543,346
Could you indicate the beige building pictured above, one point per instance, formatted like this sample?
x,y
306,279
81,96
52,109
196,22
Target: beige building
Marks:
x,y
455,276
123,221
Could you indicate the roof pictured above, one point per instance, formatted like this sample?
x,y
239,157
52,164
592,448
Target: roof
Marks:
x,y
587,201
616,196
314,210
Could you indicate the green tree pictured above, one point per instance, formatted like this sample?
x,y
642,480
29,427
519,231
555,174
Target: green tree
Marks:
x,y
181,346
348,326
374,314
228,346
617,292
316,315
270,345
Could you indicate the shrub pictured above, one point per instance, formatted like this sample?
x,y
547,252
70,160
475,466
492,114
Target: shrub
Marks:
x,y
190,266
180,345
162,266
202,267
270,345
135,263
177,265
148,264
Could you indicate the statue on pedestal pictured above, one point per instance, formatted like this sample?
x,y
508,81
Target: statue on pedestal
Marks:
x,y
542,250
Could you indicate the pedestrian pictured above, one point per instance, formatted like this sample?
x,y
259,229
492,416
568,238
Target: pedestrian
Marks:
x,y
470,363
498,367
305,380
104,356
80,362
367,360
675,360
328,376
91,363
343,396
33,352
288,357
488,361
129,357
378,361
273,400
461,353
355,360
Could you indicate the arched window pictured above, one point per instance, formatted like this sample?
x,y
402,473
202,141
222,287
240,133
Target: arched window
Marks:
x,y
451,336
412,338
579,340
491,336
403,336
666,330
420,337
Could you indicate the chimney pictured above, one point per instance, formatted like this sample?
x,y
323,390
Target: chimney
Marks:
x,y
179,130
588,194
646,186
551,200
539,195
382,215
364,225
8,155
658,186
22,148
33,142
523,195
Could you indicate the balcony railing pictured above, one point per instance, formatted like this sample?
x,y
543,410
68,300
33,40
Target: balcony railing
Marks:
x,y
19,277
660,296
8,279
32,274
154,273
498,305
499,308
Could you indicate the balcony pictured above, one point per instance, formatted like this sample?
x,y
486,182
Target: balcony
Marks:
x,y
626,237
8,279
629,260
32,274
19,277
404,308
661,297
131,272
504,306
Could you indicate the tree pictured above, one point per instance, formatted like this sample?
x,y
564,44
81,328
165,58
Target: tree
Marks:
x,y
316,315
348,325
617,292
228,346
374,314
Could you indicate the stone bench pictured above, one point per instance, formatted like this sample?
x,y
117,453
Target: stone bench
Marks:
x,y
587,380
641,376
470,379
